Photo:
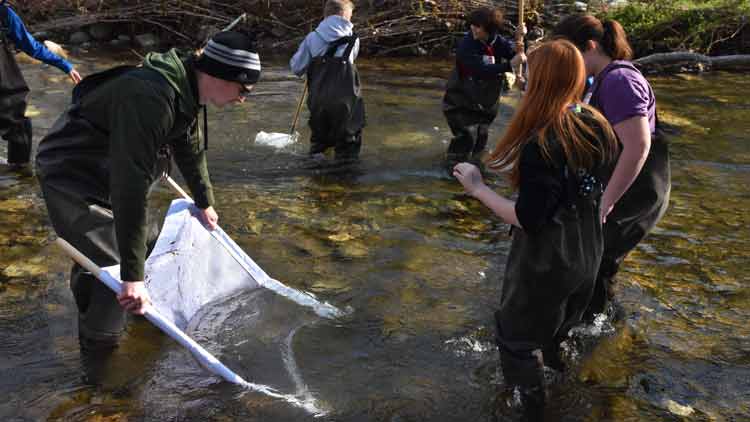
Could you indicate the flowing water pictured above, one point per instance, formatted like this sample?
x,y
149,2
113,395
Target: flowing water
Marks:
x,y
418,264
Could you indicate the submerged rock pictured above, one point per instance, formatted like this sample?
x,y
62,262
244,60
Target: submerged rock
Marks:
x,y
27,269
79,37
355,249
101,31
678,409
147,40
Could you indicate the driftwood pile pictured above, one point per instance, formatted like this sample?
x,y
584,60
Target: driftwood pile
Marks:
x,y
385,26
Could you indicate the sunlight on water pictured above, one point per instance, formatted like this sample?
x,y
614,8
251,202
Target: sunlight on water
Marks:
x,y
418,264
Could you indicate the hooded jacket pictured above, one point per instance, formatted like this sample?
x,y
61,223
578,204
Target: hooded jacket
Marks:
x,y
109,140
316,43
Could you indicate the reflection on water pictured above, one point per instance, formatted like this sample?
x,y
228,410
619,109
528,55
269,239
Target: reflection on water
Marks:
x,y
419,263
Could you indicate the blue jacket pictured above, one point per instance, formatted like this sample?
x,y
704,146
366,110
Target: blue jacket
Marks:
x,y
316,43
470,52
17,33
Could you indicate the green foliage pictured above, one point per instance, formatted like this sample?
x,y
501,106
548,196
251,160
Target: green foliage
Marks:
x,y
694,25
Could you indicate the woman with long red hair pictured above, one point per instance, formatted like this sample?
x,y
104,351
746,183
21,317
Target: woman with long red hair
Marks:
x,y
559,153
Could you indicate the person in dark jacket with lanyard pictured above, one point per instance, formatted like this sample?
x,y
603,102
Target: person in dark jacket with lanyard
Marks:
x,y
15,127
638,195
471,99
97,164
560,155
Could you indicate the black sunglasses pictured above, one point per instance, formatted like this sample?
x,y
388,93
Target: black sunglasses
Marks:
x,y
245,90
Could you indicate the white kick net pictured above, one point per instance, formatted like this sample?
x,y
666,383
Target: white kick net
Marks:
x,y
193,275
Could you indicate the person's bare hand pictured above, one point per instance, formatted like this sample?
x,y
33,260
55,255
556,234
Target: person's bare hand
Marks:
x,y
518,60
134,297
209,217
469,176
74,76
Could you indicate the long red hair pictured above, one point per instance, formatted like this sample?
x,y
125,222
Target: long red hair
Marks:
x,y
557,78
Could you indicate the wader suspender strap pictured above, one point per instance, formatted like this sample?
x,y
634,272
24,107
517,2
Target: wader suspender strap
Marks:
x,y
350,47
4,27
205,128
351,39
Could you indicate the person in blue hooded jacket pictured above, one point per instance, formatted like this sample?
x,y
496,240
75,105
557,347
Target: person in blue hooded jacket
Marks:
x,y
15,127
471,99
326,55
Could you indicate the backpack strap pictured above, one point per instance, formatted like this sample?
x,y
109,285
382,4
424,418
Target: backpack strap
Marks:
x,y
334,45
91,82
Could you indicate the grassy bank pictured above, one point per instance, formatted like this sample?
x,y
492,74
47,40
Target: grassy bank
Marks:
x,y
704,26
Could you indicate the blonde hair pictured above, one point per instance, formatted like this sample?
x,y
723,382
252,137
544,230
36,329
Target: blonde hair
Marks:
x,y
337,7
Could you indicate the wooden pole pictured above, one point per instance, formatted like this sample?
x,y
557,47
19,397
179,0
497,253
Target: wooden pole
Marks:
x,y
299,109
240,18
519,35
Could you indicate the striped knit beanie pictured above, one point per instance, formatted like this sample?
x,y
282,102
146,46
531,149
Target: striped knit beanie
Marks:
x,y
230,56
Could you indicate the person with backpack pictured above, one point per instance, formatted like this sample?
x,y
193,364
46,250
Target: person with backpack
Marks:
x,y
470,103
100,159
327,55
638,194
15,127
559,153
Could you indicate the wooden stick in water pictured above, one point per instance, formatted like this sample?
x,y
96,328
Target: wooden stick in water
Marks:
x,y
299,109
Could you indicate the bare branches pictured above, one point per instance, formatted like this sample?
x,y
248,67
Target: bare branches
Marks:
x,y
389,26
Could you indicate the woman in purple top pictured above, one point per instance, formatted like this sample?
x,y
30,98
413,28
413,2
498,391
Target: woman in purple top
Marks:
x,y
15,127
638,192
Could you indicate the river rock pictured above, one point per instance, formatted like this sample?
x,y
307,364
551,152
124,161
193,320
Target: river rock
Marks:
x,y
79,37
56,48
24,270
354,249
413,139
101,31
41,35
207,31
147,40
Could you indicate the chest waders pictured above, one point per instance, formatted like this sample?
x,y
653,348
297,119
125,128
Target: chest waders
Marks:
x,y
14,126
337,112
549,278
72,166
470,105
636,213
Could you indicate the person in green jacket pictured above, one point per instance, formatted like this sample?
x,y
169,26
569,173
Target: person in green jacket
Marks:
x,y
99,160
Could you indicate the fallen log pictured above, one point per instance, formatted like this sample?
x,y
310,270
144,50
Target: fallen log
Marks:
x,y
687,61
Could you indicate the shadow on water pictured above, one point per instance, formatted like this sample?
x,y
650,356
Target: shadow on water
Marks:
x,y
393,238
